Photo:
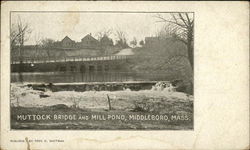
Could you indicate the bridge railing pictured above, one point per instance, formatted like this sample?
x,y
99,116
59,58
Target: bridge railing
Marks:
x,y
25,60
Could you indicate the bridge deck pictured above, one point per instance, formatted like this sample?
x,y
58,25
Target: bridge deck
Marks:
x,y
70,59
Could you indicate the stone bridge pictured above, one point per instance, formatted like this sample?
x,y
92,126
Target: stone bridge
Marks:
x,y
72,64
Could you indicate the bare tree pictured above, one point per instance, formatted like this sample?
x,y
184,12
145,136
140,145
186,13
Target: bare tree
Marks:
x,y
166,32
181,27
122,40
104,32
13,35
20,32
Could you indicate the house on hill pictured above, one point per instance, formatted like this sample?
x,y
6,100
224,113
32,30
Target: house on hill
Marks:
x,y
88,46
67,42
107,45
89,42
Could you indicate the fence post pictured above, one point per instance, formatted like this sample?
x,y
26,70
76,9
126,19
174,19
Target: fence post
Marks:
x,y
109,102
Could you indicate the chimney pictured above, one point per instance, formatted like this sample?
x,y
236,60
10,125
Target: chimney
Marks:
x,y
90,34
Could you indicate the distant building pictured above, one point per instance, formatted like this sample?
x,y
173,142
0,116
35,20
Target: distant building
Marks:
x,y
86,42
87,47
89,42
105,42
67,42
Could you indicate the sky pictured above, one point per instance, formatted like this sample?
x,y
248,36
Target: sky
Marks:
x,y
76,25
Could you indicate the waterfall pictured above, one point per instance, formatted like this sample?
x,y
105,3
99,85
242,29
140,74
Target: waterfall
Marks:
x,y
163,86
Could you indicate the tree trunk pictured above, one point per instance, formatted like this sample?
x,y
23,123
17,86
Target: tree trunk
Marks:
x,y
190,49
20,69
190,55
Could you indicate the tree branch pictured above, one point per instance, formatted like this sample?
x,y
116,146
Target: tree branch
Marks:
x,y
188,19
165,20
183,20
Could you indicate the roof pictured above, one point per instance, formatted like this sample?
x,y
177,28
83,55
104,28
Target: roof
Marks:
x,y
67,38
89,37
126,51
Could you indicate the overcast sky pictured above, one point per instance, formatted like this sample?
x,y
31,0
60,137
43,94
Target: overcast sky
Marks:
x,y
76,25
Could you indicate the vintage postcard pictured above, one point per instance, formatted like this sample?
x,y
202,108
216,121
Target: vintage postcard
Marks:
x,y
112,70
90,69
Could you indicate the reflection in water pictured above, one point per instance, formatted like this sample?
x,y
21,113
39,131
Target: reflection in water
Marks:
x,y
69,77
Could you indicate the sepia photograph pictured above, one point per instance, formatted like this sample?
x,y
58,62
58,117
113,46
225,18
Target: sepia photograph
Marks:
x,y
124,75
102,70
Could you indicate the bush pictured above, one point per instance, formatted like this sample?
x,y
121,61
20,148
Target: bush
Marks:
x,y
59,107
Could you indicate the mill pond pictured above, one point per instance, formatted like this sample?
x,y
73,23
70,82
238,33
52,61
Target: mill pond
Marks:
x,y
93,89
102,75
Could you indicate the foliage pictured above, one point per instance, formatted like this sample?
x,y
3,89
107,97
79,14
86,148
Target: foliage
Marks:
x,y
133,42
168,57
141,42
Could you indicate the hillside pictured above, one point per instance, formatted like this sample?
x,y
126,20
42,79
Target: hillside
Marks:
x,y
168,57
